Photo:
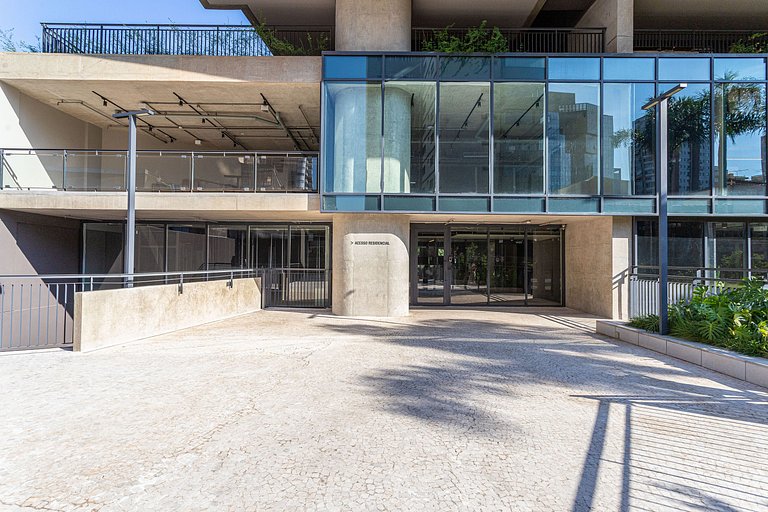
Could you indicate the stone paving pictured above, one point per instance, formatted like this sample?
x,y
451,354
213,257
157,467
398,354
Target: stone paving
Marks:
x,y
444,410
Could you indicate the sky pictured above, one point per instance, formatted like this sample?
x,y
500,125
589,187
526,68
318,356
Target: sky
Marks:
x,y
25,16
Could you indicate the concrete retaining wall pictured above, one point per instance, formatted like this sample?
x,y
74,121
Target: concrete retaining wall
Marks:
x,y
110,317
750,369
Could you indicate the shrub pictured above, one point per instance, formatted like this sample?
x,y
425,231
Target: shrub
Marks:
x,y
478,39
735,318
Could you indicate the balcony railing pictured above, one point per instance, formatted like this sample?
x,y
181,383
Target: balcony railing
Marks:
x,y
219,40
158,171
530,40
698,41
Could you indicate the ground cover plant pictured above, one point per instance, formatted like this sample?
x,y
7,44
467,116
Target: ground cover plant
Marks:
x,y
735,318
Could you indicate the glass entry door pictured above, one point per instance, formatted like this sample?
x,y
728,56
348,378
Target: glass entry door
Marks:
x,y
430,267
512,265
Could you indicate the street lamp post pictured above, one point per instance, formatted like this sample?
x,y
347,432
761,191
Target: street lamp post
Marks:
x,y
661,102
130,225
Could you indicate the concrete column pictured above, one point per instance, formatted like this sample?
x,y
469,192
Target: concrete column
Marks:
x,y
597,259
357,140
617,16
370,265
373,25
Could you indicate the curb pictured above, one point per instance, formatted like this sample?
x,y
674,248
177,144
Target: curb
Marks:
x,y
750,369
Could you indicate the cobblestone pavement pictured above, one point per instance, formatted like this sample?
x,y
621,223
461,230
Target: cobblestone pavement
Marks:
x,y
445,410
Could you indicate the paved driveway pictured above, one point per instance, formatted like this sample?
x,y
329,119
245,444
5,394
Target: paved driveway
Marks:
x,y
445,410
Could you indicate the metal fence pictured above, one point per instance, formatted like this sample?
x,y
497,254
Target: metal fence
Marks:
x,y
129,39
159,171
699,41
297,288
217,40
531,40
644,284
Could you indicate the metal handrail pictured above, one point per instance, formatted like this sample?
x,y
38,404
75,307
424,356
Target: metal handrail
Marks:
x,y
529,39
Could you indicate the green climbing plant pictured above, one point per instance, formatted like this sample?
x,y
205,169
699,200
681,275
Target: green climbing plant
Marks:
x,y
480,39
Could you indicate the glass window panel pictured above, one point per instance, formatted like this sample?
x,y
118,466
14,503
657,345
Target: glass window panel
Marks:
x,y
224,172
464,204
352,137
647,243
309,247
740,69
574,204
103,244
409,203
628,69
628,140
689,206
683,69
619,205
572,131
742,206
351,67
464,137
686,247
269,246
465,68
150,248
740,151
518,138
293,173
409,137
522,204
163,172
758,231
227,247
413,67
729,242
574,68
186,248
689,140
351,203
518,68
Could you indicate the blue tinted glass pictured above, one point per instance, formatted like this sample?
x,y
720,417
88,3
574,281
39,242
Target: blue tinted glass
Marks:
x,y
464,204
351,67
522,204
683,69
741,206
409,204
516,68
574,68
410,67
465,68
351,203
615,205
739,69
575,205
689,206
628,69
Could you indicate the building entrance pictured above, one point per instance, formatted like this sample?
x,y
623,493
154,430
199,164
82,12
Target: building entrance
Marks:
x,y
504,265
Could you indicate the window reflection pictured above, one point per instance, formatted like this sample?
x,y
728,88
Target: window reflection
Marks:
x,y
518,138
226,247
740,69
353,158
409,137
689,140
572,130
628,140
758,231
464,137
740,159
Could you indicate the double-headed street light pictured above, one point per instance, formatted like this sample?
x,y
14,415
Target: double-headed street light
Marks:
x,y
661,102
130,226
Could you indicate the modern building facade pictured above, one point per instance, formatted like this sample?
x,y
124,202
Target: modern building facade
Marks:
x,y
391,175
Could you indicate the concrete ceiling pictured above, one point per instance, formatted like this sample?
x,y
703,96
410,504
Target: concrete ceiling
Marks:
x,y
216,100
426,13
702,14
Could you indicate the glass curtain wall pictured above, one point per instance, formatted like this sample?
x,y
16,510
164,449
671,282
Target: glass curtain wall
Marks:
x,y
518,142
573,115
150,248
102,248
227,247
628,140
689,140
464,137
186,248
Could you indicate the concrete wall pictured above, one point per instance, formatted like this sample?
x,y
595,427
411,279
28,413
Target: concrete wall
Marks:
x,y
373,25
29,123
617,16
38,244
109,317
597,259
370,265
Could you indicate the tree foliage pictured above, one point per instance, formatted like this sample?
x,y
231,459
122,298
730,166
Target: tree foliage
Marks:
x,y
9,44
756,43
